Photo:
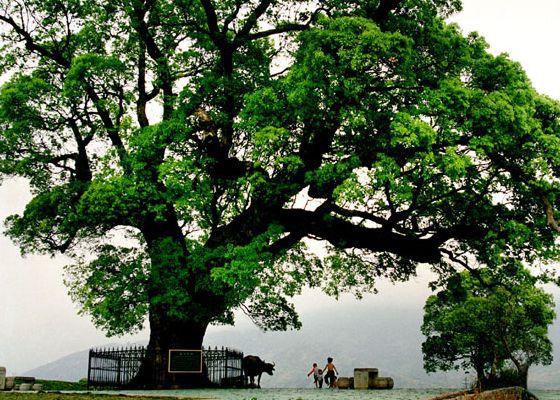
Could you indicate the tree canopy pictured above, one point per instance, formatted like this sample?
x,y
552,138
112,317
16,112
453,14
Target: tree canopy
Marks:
x,y
489,324
214,140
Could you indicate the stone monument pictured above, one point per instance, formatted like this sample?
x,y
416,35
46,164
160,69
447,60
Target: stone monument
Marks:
x,y
2,378
362,377
368,378
10,383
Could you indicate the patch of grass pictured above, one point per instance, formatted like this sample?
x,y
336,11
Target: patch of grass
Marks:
x,y
53,385
63,385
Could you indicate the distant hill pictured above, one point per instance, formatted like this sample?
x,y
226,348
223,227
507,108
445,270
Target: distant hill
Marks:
x,y
387,339
71,368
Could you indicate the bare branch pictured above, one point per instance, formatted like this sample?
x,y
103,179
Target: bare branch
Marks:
x,y
31,45
549,210
230,18
275,31
253,18
211,17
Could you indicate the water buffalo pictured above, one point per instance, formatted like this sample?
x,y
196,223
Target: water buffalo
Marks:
x,y
254,366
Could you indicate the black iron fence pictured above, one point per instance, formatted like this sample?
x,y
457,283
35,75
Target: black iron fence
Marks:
x,y
224,366
116,368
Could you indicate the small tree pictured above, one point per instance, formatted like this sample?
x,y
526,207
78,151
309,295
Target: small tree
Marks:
x,y
490,323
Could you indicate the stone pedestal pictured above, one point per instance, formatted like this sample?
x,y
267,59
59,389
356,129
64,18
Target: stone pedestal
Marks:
x,y
362,377
345,383
25,387
2,378
10,382
381,383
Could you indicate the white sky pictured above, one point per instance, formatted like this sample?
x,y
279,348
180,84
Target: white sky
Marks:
x,y
38,322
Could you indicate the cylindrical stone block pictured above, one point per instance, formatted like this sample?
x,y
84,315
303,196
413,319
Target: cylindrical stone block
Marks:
x,y
381,383
37,386
25,386
343,382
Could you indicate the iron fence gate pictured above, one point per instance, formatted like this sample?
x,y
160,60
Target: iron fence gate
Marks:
x,y
116,368
224,366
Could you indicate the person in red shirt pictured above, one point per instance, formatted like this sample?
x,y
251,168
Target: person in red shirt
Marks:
x,y
315,372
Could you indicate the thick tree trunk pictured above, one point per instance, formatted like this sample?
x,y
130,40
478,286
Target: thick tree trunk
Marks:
x,y
480,378
480,374
174,323
522,368
523,375
167,334
182,304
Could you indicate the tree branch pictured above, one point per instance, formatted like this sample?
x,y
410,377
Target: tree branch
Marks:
x,y
156,53
382,11
549,210
278,30
107,122
57,57
344,234
230,18
253,18
360,214
31,45
211,17
83,170
142,96
285,243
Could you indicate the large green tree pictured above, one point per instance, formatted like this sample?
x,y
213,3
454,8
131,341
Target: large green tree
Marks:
x,y
212,139
489,323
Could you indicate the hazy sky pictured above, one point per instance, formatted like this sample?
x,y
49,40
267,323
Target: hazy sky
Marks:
x,y
38,322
